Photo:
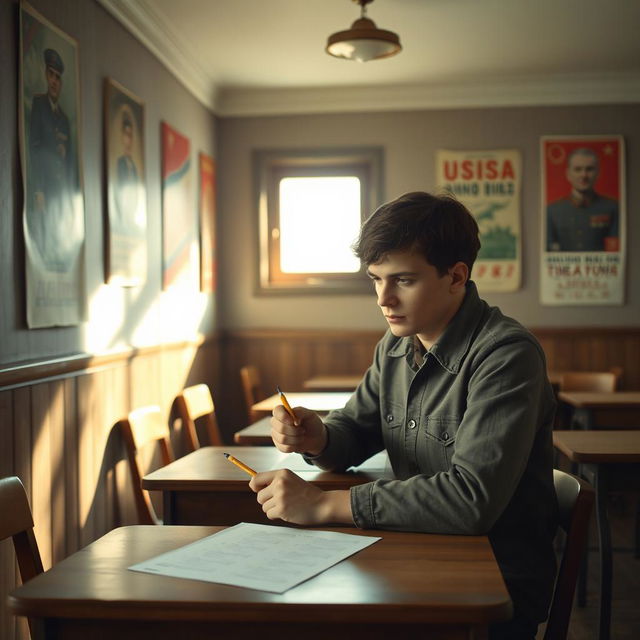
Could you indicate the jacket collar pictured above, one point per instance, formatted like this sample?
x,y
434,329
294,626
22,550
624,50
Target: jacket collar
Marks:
x,y
456,339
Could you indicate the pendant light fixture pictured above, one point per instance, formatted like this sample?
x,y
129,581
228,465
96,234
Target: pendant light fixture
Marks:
x,y
364,41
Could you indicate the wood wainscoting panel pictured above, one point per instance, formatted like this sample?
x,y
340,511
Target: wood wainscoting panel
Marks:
x,y
57,433
288,357
593,349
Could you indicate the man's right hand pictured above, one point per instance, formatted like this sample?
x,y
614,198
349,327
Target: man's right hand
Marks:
x,y
308,436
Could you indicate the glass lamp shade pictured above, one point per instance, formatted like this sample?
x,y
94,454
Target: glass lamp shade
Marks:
x,y
364,41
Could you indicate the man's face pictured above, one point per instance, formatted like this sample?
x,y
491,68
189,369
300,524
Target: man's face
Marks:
x,y
413,297
54,84
582,172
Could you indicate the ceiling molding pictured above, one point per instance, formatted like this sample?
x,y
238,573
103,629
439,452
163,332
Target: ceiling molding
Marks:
x,y
153,31
548,91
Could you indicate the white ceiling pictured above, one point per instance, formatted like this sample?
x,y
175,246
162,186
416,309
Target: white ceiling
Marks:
x,y
251,57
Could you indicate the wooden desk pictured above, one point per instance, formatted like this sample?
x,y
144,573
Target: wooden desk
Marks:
x,y
611,461
256,434
615,410
332,383
555,378
205,488
409,584
321,401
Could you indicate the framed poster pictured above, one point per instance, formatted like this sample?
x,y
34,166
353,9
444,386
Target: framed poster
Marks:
x,y
179,223
208,263
53,212
488,183
126,229
583,220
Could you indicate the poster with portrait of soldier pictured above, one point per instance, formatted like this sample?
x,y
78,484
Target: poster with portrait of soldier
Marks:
x,y
126,235
53,214
584,220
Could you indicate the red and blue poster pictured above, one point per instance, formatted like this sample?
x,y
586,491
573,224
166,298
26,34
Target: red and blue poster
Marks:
x,y
179,222
207,223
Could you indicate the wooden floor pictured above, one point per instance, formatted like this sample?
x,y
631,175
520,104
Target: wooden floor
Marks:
x,y
625,616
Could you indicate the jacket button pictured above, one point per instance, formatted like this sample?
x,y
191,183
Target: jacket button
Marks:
x,y
445,436
389,418
412,424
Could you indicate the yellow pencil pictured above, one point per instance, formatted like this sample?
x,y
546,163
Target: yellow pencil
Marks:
x,y
286,404
242,465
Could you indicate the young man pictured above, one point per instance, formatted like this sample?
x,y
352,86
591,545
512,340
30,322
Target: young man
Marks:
x,y
458,396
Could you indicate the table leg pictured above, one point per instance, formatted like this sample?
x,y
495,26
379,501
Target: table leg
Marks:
x,y
604,533
167,507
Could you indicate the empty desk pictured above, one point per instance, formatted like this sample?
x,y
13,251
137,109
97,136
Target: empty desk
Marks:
x,y
256,434
320,401
611,459
205,488
332,383
593,410
410,584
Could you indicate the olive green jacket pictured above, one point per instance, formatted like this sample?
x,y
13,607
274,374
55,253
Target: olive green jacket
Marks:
x,y
468,433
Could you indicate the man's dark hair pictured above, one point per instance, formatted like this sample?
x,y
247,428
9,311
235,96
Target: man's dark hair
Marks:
x,y
439,227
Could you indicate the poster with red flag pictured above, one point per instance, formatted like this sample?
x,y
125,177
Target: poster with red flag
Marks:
x,y
208,266
583,220
179,222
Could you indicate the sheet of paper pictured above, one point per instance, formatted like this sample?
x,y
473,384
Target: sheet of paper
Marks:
x,y
295,462
257,556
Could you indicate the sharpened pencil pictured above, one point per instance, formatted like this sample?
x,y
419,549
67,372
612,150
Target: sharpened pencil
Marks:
x,y
286,404
239,464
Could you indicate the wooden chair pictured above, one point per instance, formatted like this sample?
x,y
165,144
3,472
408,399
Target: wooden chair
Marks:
x,y
193,403
575,502
17,523
140,428
252,387
596,381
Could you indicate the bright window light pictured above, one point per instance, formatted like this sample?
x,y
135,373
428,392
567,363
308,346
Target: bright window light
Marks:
x,y
319,221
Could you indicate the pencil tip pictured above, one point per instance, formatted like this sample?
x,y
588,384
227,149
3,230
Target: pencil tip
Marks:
x,y
226,455
278,389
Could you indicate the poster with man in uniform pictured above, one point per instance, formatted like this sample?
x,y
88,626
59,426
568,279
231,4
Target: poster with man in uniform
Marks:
x,y
53,217
583,220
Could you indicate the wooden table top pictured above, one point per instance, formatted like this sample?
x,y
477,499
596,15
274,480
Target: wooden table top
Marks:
x,y
593,400
206,469
599,446
258,433
405,577
332,383
314,400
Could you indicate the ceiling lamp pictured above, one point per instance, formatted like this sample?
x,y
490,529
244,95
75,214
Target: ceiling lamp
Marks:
x,y
364,41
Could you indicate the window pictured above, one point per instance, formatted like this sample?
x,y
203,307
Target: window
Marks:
x,y
310,208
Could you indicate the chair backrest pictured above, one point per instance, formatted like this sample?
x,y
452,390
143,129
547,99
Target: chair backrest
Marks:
x,y
17,523
140,428
193,403
575,503
597,381
617,372
252,387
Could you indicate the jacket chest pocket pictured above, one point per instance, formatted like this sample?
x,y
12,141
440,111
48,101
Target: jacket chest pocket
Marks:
x,y
439,441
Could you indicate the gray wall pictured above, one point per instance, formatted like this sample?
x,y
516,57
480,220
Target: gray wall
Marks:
x,y
410,140
116,316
